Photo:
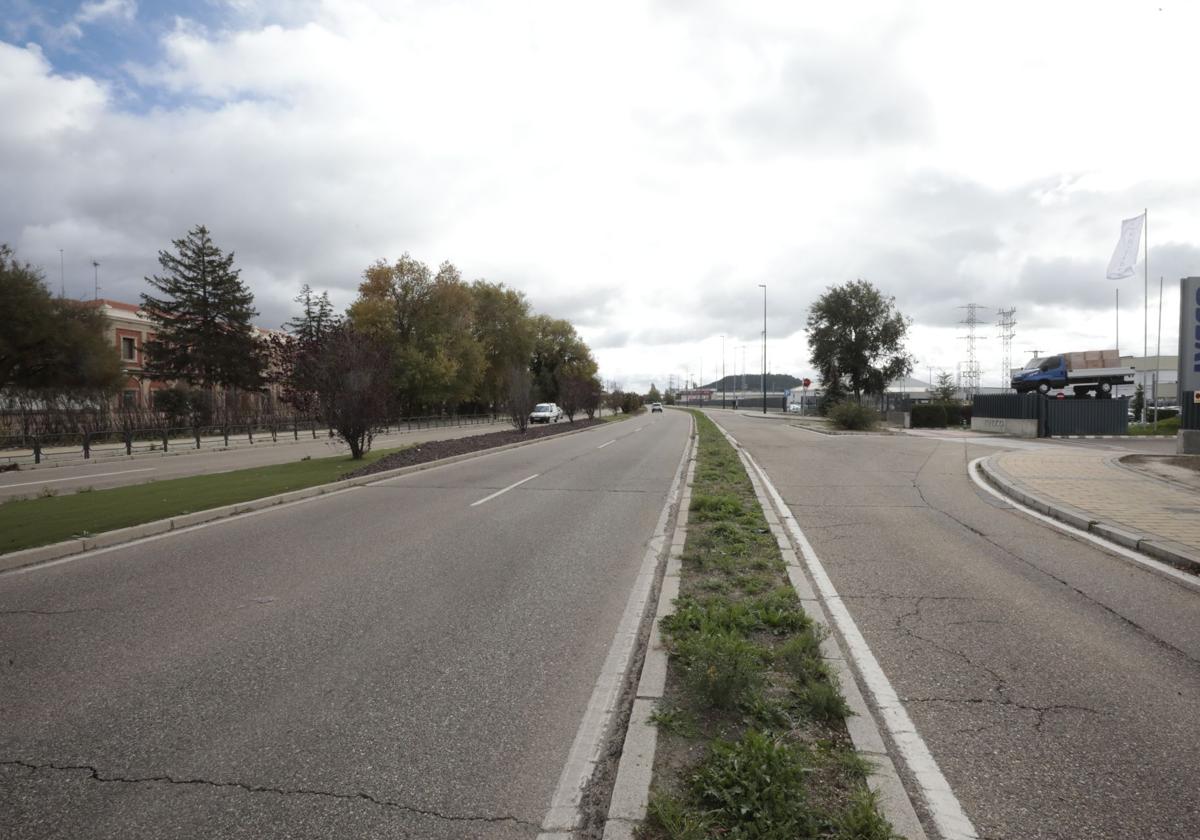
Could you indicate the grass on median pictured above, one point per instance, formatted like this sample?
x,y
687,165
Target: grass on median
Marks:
x,y
26,523
752,739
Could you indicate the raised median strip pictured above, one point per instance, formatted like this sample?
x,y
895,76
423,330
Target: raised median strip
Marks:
x,y
1176,554
22,509
739,727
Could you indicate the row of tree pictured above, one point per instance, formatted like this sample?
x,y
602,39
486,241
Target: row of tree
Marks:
x,y
415,341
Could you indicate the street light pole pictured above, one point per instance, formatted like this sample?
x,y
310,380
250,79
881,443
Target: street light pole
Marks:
x,y
763,286
722,370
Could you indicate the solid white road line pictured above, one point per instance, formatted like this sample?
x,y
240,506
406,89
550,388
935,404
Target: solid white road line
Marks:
x,y
610,443
563,816
1156,566
505,490
952,822
77,477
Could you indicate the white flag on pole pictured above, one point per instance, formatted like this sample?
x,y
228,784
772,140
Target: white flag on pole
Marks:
x,y
1126,253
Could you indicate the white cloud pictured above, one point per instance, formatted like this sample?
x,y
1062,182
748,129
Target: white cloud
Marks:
x,y
100,9
639,168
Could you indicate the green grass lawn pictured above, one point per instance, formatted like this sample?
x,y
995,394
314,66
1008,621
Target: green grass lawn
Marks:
x,y
26,523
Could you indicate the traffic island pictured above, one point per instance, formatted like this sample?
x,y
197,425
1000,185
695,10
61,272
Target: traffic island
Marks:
x,y
1105,495
749,729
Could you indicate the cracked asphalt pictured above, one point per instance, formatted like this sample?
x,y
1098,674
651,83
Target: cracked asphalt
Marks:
x,y
386,662
1057,685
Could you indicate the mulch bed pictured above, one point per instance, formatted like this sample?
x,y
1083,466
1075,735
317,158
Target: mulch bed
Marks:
x,y
434,450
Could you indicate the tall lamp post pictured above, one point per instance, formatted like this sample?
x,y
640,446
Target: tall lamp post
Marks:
x,y
763,286
722,370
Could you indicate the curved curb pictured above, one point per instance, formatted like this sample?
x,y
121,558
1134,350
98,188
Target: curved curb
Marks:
x,y
1159,548
55,551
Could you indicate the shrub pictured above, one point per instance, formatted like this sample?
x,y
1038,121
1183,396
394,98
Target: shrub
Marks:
x,y
823,701
861,820
853,416
709,508
800,656
721,667
928,415
755,788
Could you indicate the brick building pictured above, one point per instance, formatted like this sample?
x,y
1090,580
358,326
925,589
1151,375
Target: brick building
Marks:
x,y
128,329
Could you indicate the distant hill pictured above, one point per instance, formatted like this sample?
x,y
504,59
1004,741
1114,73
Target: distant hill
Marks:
x,y
753,382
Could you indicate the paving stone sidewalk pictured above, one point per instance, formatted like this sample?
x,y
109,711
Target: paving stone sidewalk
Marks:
x,y
1092,490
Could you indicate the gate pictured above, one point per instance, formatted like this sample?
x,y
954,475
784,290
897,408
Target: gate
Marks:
x,y
1058,417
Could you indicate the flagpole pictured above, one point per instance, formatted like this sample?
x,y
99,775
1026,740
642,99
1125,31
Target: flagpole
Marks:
x,y
1146,290
1157,351
1117,313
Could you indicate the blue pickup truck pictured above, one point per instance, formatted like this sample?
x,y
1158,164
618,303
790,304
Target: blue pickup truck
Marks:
x,y
1096,371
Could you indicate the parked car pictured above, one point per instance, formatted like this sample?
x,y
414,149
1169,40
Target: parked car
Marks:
x,y
795,408
656,407
545,413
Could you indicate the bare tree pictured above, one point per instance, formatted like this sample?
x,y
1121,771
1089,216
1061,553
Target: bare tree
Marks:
x,y
520,396
572,392
352,382
592,398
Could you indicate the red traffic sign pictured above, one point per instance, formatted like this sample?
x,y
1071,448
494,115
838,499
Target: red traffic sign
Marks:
x,y
808,382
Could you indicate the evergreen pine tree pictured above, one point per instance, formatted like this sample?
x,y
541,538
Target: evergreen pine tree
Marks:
x,y
316,317
204,336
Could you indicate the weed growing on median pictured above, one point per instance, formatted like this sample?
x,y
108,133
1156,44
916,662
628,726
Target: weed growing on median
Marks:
x,y
861,820
674,719
752,740
721,666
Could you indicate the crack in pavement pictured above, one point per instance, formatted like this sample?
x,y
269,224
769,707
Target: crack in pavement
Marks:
x,y
1037,568
95,775
884,596
1000,684
51,612
1041,711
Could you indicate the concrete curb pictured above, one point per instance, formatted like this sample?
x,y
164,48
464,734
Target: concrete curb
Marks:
x,y
1180,556
67,548
841,432
635,771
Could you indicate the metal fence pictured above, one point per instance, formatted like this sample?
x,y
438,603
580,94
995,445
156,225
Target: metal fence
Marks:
x,y
1059,417
1086,417
108,443
1008,406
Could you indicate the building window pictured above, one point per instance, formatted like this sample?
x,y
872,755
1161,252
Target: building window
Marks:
x,y
129,398
128,351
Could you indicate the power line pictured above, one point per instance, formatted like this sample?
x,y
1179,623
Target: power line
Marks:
x,y
1006,321
970,376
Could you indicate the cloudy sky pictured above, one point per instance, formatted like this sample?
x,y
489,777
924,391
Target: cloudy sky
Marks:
x,y
636,167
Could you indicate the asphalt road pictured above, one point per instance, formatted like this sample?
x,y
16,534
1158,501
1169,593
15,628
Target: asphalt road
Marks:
x,y
398,660
118,472
1056,685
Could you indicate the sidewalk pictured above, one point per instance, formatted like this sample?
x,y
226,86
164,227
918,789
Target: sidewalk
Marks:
x,y
1094,492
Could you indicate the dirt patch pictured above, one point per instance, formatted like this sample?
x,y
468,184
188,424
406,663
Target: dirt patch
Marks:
x,y
435,450
1181,469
